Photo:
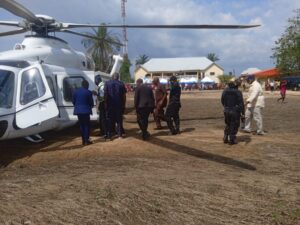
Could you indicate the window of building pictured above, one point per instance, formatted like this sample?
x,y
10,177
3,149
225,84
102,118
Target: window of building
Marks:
x,y
212,73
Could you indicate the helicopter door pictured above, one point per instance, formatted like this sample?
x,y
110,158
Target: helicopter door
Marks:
x,y
35,102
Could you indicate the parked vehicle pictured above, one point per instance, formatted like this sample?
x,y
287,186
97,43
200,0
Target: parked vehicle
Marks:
x,y
293,83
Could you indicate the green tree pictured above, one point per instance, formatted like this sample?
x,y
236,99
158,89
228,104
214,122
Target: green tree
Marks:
x,y
287,50
224,79
142,59
101,46
125,75
212,57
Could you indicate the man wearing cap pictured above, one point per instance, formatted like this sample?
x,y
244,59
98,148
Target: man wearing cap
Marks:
x,y
232,100
144,105
160,95
254,105
174,105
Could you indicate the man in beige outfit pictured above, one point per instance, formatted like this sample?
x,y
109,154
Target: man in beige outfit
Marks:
x,y
254,105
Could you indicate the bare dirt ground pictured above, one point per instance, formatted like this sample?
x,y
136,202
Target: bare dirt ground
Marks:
x,y
191,178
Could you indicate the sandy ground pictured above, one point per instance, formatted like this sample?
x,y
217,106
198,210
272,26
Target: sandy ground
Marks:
x,y
191,178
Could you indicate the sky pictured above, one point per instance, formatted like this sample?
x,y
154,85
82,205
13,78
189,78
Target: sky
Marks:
x,y
237,49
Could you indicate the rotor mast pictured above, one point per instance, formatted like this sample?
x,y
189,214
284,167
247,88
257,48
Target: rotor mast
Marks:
x,y
125,40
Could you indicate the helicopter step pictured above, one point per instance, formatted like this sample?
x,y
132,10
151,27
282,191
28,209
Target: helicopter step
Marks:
x,y
36,138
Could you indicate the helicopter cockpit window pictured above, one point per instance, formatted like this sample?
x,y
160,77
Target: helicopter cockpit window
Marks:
x,y
32,86
7,84
70,84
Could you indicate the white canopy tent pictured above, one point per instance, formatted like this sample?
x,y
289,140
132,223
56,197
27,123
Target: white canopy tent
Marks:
x,y
207,80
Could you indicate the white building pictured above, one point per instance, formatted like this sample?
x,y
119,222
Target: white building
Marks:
x,y
189,67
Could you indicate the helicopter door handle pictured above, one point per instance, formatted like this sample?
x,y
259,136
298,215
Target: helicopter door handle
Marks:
x,y
42,106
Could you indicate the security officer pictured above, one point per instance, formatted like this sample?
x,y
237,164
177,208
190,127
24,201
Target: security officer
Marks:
x,y
232,100
174,105
144,105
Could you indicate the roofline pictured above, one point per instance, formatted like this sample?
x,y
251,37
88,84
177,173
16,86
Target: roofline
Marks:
x,y
215,65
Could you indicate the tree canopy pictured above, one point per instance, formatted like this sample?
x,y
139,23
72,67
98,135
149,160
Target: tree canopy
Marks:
x,y
224,79
287,50
212,57
142,59
101,47
125,75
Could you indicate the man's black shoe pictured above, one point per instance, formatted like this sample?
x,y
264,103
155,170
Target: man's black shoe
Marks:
x,y
233,142
88,142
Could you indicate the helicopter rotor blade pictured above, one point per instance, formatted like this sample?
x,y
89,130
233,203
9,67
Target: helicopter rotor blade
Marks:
x,y
187,26
13,32
10,23
19,10
88,36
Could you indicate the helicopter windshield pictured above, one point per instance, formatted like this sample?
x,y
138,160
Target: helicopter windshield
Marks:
x,y
7,81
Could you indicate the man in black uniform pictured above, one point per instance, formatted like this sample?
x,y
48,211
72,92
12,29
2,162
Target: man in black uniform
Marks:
x,y
232,100
144,105
172,111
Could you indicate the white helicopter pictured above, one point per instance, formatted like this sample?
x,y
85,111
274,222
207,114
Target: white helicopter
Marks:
x,y
39,76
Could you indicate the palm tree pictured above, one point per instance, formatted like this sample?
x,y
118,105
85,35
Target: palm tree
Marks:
x,y
212,57
101,46
142,59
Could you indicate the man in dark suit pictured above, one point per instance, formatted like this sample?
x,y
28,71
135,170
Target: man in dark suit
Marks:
x,y
83,103
115,100
144,105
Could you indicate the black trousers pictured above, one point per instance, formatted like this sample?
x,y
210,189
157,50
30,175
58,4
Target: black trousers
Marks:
x,y
232,123
172,117
102,118
114,116
142,118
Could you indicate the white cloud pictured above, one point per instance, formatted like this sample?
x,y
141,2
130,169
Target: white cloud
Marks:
x,y
238,49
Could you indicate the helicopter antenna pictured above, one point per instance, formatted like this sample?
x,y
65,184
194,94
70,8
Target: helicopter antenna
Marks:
x,y
125,40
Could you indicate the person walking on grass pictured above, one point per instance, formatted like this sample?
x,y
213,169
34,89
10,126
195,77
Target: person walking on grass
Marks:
x,y
174,105
144,105
282,88
232,101
160,95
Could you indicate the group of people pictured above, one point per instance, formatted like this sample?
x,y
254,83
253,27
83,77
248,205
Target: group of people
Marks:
x,y
146,102
236,110
111,101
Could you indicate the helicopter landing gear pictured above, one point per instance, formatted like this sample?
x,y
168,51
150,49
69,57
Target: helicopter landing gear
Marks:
x,y
36,138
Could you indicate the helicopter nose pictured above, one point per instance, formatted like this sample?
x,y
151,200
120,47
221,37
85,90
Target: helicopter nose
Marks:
x,y
3,127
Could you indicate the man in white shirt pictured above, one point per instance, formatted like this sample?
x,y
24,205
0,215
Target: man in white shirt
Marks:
x,y
100,104
254,105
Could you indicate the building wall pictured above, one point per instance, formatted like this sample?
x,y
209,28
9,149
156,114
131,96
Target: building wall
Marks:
x,y
214,69
140,73
217,71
